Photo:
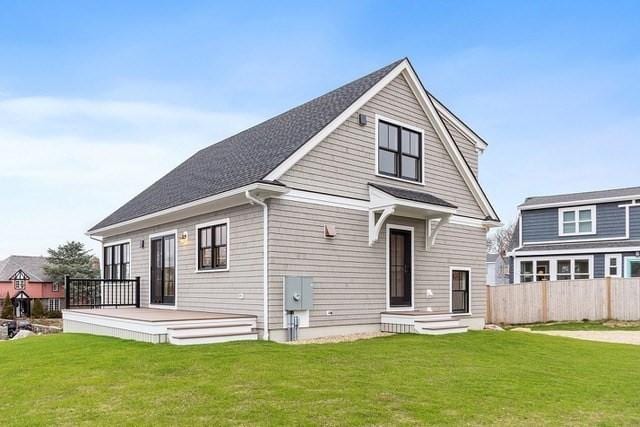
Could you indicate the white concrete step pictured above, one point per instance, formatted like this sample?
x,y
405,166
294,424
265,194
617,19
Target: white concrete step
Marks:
x,y
439,326
210,329
211,339
441,331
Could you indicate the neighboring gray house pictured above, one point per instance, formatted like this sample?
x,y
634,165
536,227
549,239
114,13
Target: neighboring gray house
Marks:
x,y
360,208
578,236
497,270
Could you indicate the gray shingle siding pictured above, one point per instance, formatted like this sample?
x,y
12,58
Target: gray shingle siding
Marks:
x,y
541,225
634,223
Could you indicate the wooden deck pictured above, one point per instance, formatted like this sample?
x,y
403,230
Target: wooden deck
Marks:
x,y
159,315
154,325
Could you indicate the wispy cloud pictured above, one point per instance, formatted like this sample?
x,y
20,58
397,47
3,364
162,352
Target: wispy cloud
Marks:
x,y
73,161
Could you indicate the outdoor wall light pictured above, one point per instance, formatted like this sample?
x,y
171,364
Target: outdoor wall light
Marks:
x,y
184,236
362,119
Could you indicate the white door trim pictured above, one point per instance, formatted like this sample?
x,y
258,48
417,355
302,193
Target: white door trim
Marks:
x,y
413,274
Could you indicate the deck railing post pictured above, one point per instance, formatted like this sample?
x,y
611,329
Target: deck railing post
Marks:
x,y
67,291
137,291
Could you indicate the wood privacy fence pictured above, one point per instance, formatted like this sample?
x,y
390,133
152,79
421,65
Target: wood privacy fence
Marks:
x,y
592,299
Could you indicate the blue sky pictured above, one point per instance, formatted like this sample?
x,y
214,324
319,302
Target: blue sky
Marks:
x,y
99,99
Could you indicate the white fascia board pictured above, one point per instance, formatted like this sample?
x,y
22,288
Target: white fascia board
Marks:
x,y
275,189
574,251
320,136
479,143
578,203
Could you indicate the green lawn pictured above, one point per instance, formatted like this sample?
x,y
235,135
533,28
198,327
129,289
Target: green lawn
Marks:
x,y
590,325
467,379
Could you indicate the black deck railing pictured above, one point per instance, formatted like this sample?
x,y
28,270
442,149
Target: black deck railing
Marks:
x,y
98,293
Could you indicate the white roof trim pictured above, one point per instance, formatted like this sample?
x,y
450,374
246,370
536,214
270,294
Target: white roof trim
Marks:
x,y
380,200
578,203
611,249
461,126
236,191
432,114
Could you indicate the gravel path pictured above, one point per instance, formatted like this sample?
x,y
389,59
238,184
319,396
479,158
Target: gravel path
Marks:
x,y
621,337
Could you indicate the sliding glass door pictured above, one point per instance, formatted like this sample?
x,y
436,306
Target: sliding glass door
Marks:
x,y
163,270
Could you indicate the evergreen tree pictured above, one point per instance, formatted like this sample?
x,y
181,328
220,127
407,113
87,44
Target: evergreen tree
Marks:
x,y
71,259
38,310
7,308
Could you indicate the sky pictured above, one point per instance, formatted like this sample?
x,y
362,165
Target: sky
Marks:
x,y
100,99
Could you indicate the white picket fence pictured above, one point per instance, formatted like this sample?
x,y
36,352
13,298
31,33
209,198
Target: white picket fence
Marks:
x,y
593,299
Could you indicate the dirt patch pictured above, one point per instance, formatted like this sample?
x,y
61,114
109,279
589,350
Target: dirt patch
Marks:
x,y
342,338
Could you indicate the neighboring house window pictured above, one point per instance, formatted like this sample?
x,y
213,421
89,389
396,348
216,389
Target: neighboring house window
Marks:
x,y
542,271
399,152
504,268
526,271
577,221
56,287
613,265
212,246
19,284
564,269
54,304
116,261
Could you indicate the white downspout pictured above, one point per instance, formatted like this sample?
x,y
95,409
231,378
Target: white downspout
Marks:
x,y
265,264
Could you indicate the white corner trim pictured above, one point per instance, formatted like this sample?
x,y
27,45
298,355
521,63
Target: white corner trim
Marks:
x,y
400,124
173,232
197,258
453,268
413,272
576,211
320,136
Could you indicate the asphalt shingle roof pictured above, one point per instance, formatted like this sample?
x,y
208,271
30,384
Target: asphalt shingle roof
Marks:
x,y
415,196
577,197
246,157
33,266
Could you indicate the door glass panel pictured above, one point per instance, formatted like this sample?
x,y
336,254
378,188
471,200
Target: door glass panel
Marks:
x,y
400,274
635,269
156,271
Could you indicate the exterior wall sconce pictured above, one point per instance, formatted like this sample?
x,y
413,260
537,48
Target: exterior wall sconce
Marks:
x,y
362,119
184,236
142,244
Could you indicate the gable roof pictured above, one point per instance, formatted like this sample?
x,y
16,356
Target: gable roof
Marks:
x,y
263,152
32,266
414,196
589,196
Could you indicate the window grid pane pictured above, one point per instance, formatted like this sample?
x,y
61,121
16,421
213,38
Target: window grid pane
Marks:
x,y
400,158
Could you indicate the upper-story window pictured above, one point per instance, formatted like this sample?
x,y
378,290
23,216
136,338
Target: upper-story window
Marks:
x,y
116,261
19,284
577,221
399,152
212,246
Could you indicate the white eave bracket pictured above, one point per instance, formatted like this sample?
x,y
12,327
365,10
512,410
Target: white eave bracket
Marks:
x,y
431,230
376,226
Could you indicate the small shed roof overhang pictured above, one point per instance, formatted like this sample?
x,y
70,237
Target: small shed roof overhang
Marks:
x,y
386,201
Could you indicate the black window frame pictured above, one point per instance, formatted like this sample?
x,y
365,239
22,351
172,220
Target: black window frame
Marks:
x,y
399,153
215,264
120,270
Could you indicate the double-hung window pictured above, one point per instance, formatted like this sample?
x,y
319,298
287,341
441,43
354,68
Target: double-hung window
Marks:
x,y
116,261
613,265
54,304
213,250
399,152
577,221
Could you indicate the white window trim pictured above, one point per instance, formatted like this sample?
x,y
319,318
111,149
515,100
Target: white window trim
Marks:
x,y
175,301
422,154
553,266
115,243
607,265
627,265
413,273
576,211
49,303
211,224
55,287
451,269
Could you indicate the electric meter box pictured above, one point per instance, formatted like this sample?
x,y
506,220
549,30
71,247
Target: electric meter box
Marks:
x,y
298,293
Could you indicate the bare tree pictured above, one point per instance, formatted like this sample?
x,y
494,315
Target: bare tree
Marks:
x,y
500,241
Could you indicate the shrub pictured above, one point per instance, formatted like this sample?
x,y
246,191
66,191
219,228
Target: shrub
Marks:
x,y
54,314
7,308
38,310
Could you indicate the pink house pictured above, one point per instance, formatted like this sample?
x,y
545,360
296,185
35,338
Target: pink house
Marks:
x,y
24,279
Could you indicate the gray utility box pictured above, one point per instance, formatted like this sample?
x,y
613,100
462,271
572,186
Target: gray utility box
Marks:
x,y
298,293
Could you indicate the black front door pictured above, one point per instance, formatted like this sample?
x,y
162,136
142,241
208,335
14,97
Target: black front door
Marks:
x,y
460,291
163,270
400,273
